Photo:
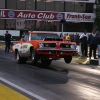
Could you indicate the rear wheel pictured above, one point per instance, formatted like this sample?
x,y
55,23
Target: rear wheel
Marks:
x,y
68,59
19,59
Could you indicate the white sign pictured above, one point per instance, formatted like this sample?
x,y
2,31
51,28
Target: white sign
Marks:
x,y
79,17
86,1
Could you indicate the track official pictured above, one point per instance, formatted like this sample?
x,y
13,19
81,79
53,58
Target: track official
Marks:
x,y
7,39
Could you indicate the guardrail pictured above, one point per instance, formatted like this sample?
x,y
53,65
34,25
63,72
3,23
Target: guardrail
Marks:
x,y
11,41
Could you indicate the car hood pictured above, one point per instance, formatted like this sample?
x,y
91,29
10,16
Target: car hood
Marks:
x,y
53,41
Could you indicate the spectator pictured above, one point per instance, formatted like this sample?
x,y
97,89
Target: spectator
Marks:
x,y
72,37
77,39
93,41
61,35
67,37
84,43
99,45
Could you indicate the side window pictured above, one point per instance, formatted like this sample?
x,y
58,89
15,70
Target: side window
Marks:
x,y
26,38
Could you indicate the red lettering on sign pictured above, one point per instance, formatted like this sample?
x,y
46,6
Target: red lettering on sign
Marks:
x,y
78,16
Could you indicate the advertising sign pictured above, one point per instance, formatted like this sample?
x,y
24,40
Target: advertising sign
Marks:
x,y
86,1
79,17
31,15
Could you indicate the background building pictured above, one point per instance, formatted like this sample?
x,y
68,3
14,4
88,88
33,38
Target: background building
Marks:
x,y
46,5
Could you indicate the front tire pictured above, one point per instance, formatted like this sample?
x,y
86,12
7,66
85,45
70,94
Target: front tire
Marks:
x,y
68,59
46,62
34,56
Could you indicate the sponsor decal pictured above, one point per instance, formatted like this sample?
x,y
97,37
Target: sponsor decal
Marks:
x,y
24,46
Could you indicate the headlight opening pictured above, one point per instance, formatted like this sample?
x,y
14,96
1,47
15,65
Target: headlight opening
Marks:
x,y
73,46
41,45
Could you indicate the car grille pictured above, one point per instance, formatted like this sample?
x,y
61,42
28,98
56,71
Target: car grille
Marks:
x,y
52,45
64,46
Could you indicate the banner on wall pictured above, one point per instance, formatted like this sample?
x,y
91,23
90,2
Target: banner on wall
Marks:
x,y
46,15
31,15
85,1
79,17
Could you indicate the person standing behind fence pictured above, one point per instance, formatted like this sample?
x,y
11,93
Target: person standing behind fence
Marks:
x,y
93,42
98,45
84,43
7,39
76,38
67,37
72,38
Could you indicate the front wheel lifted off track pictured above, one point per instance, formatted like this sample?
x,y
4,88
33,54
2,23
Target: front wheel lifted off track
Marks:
x,y
34,56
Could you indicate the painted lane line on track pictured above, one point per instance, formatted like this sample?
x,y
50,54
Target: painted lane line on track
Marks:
x,y
21,89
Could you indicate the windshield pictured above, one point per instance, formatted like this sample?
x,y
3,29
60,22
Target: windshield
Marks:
x,y
41,36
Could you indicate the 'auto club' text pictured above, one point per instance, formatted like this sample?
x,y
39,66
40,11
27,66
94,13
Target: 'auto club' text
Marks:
x,y
40,15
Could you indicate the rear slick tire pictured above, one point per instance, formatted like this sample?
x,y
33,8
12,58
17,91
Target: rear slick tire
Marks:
x,y
18,58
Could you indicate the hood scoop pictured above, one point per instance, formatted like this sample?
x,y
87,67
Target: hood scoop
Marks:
x,y
53,39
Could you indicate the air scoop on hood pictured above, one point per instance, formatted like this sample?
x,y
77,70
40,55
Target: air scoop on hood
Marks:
x,y
53,39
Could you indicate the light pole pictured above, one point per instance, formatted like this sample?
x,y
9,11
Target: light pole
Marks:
x,y
62,24
35,9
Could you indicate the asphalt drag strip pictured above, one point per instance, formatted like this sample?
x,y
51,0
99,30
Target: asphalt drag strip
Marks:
x,y
12,91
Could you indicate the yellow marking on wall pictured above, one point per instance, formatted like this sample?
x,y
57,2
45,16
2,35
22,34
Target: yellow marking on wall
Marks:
x,y
7,93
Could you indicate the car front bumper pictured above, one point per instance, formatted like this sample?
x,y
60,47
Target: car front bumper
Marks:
x,y
57,53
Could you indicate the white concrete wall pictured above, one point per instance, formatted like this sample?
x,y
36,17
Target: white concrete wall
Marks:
x,y
12,32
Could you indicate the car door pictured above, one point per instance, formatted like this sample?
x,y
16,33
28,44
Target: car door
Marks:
x,y
24,46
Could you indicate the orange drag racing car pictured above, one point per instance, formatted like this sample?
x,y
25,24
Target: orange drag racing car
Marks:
x,y
43,46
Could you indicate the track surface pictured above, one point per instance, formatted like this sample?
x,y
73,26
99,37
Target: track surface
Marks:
x,y
60,81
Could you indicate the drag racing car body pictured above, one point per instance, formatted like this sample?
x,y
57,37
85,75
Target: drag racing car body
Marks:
x,y
43,46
